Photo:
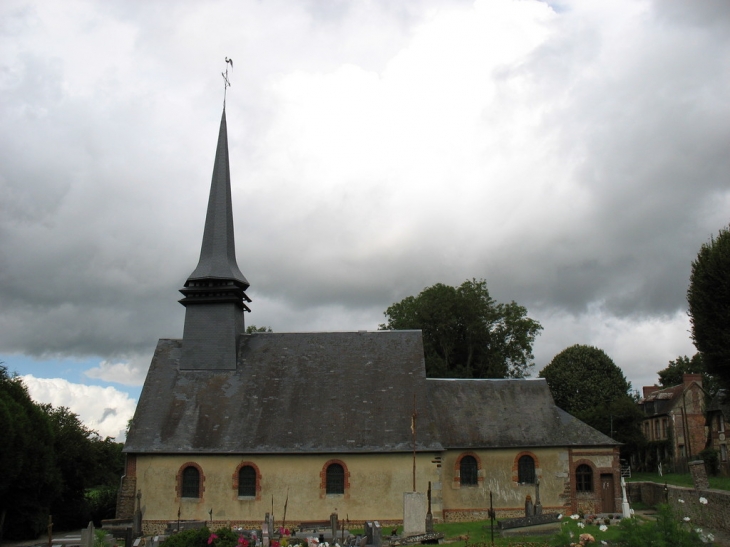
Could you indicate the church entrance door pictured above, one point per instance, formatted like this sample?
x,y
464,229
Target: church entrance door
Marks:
x,y
607,493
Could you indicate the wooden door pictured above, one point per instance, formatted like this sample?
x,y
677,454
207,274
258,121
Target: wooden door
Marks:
x,y
607,494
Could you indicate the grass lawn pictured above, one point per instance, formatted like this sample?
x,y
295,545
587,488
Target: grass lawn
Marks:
x,y
479,534
677,479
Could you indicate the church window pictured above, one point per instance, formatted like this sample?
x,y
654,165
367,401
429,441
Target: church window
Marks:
x,y
247,481
468,471
526,470
584,478
335,479
190,482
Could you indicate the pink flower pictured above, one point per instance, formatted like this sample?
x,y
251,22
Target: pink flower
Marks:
x,y
242,541
212,538
274,544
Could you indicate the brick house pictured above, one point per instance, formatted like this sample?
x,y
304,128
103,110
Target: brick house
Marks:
x,y
674,423
718,422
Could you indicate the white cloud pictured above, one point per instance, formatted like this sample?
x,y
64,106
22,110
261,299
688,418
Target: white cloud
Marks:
x,y
129,373
103,409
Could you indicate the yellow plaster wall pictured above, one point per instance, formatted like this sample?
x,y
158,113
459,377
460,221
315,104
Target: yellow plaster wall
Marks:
x,y
497,470
377,483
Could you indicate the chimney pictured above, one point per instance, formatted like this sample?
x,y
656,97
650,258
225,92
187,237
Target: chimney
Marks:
x,y
687,379
648,390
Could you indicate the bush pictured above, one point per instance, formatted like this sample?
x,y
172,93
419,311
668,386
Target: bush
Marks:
x,y
712,461
667,531
203,537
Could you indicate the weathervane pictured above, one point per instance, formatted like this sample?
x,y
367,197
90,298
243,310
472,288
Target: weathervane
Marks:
x,y
226,81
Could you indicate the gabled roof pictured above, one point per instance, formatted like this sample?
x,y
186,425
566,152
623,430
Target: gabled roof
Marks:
x,y
338,392
290,393
505,413
662,401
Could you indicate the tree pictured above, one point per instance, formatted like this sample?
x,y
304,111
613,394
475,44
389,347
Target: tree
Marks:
x,y
466,334
708,297
253,328
29,480
674,373
586,383
582,378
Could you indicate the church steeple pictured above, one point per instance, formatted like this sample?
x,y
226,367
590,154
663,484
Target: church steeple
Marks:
x,y
214,293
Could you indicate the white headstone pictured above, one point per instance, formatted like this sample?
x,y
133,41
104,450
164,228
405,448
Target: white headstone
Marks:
x,y
625,509
415,507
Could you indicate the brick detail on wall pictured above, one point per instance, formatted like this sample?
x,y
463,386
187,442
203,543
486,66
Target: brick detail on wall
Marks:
x,y
515,465
457,469
178,481
323,479
258,479
590,502
127,489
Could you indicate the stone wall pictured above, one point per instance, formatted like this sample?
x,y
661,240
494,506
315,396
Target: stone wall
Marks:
x,y
685,502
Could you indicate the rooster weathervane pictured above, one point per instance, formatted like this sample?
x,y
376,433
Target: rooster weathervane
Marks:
x,y
226,81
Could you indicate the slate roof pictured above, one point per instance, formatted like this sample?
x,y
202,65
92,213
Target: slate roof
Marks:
x,y
661,401
290,393
218,251
505,413
338,392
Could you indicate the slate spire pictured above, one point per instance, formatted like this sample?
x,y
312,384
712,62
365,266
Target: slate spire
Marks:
x,y
215,297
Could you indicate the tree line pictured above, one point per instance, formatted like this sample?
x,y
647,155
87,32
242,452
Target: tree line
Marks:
x,y
52,465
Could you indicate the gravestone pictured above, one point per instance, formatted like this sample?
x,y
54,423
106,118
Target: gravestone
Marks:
x,y
87,536
265,536
368,533
699,474
625,509
334,524
377,534
529,508
414,513
429,515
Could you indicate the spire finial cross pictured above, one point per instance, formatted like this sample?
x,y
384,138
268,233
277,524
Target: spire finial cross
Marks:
x,y
226,81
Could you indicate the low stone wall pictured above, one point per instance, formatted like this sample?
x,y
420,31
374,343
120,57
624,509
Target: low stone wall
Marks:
x,y
685,502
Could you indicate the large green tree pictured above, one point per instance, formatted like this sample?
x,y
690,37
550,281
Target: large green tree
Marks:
x,y
29,479
677,368
708,297
52,464
587,383
466,333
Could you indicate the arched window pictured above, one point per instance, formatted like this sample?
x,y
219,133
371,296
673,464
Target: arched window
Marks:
x,y
335,479
190,482
247,481
468,471
583,478
526,470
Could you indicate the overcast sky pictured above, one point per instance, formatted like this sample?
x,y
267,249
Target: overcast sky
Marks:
x,y
574,154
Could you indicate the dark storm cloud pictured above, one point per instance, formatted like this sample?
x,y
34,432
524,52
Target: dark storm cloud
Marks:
x,y
577,162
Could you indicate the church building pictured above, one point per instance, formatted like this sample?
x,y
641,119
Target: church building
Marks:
x,y
231,425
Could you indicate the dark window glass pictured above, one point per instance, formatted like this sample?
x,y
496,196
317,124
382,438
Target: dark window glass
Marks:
x,y
468,471
247,481
526,470
584,478
190,482
335,479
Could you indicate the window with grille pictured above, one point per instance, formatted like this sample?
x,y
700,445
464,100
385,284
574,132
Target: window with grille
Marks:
x,y
468,471
526,470
190,482
584,478
335,479
247,481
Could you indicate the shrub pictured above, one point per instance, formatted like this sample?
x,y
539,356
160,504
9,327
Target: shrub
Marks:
x,y
667,531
